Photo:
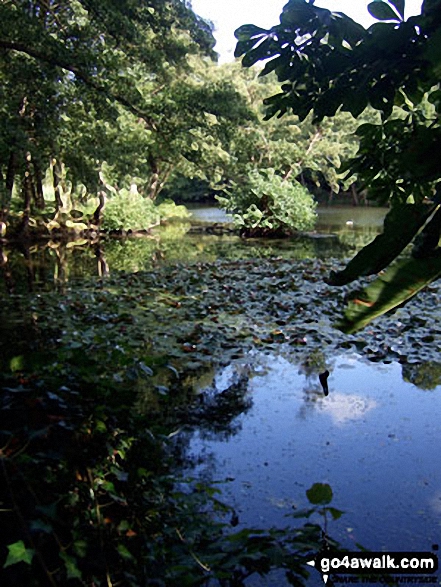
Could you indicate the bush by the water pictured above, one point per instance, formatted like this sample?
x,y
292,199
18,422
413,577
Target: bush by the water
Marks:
x,y
131,211
266,204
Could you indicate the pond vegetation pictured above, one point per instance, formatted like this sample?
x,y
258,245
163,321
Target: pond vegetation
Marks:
x,y
211,407
130,364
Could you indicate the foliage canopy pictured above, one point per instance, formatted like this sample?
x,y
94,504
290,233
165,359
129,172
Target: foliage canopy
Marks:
x,y
326,62
103,96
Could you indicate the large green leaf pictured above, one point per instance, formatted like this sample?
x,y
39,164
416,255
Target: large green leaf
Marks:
x,y
382,11
249,31
264,50
399,5
400,226
397,285
297,13
319,494
18,553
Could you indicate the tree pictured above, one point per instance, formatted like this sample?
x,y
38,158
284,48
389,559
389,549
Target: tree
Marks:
x,y
76,75
326,62
300,152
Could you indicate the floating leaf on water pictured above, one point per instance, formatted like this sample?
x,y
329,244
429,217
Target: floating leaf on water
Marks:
x,y
146,370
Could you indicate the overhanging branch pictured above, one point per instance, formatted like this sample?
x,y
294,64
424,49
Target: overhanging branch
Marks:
x,y
58,61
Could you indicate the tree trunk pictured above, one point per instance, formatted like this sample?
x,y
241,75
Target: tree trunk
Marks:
x,y
38,192
28,196
154,179
57,172
331,196
97,217
5,270
8,187
103,267
355,201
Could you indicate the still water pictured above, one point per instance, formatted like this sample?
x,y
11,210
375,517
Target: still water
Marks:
x,y
329,219
375,439
51,264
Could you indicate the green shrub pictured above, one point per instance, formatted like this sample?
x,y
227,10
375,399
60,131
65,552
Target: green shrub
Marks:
x,y
130,211
265,204
169,210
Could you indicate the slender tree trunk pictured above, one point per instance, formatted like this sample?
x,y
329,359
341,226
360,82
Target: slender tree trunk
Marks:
x,y
38,195
103,267
288,174
57,172
5,270
331,196
97,218
60,269
28,196
154,179
162,183
153,187
354,195
8,187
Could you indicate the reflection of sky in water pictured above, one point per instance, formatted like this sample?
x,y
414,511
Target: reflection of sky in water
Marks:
x,y
341,407
375,439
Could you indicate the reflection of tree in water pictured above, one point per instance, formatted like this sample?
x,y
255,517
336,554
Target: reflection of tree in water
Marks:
x,y
315,367
27,267
216,412
426,375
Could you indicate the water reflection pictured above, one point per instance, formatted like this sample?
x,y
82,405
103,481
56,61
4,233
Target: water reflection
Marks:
x,y
47,265
371,439
343,408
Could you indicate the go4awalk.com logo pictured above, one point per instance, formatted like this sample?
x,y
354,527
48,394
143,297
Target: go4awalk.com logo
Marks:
x,y
417,568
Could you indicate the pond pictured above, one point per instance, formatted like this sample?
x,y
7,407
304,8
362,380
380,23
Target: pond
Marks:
x,y
52,264
375,438
330,218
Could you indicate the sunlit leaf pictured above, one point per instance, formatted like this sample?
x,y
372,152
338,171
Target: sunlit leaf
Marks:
x,y
17,363
18,553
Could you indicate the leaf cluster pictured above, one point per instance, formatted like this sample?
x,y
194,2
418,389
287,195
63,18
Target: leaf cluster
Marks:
x,y
266,204
326,62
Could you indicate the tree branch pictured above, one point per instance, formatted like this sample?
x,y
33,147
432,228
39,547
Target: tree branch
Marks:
x,y
58,61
